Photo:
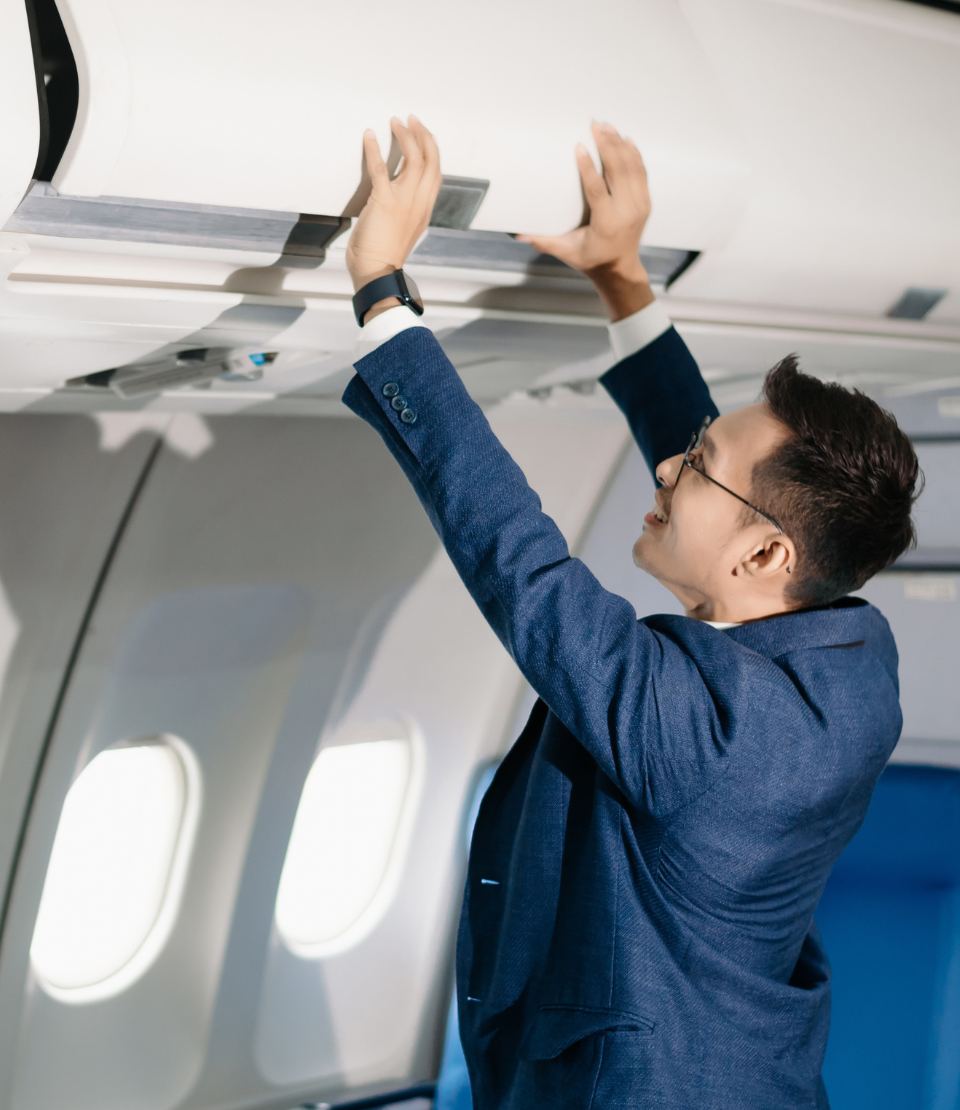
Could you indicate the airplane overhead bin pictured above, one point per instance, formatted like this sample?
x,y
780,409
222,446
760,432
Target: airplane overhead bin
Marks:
x,y
243,104
800,150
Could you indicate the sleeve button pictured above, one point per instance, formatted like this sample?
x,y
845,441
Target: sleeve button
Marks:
x,y
391,389
399,403
408,416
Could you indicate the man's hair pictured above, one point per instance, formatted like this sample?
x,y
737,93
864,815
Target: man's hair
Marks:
x,y
842,486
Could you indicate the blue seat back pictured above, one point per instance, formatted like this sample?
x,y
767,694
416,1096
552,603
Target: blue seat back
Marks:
x,y
890,920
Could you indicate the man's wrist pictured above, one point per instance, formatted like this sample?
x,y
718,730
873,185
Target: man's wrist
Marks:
x,y
384,289
380,307
362,276
624,287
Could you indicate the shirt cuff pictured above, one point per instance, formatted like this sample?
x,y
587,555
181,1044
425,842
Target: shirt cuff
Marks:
x,y
635,332
384,327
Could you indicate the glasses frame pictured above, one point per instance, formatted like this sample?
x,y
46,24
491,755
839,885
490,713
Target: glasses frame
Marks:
x,y
696,442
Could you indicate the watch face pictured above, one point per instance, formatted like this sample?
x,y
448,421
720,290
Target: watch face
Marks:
x,y
409,286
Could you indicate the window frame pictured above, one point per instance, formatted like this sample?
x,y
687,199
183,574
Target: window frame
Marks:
x,y
156,937
373,912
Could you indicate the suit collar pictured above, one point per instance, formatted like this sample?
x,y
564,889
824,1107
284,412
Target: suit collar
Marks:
x,y
847,621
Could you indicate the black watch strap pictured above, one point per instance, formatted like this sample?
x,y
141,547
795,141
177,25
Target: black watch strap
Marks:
x,y
396,285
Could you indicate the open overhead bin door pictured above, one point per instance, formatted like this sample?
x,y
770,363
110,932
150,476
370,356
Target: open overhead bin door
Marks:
x,y
253,105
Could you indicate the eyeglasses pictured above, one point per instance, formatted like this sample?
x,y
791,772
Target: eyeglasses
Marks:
x,y
696,443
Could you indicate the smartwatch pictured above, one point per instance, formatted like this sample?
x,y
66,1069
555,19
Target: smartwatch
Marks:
x,y
396,285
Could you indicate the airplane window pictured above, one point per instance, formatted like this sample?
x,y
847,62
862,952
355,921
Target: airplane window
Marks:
x,y
116,870
348,841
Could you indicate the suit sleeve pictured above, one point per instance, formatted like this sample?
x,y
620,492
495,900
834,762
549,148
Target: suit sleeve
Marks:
x,y
662,394
638,702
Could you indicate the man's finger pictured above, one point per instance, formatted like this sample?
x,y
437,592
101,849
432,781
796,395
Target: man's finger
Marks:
x,y
431,179
427,187
634,163
611,150
639,191
428,147
594,187
375,164
412,158
635,157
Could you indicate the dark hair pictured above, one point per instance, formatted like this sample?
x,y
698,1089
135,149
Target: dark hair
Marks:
x,y
842,486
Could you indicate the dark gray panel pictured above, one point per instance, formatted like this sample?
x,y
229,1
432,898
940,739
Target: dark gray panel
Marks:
x,y
916,303
458,202
306,245
928,560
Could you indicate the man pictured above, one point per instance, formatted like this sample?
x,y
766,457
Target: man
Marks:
x,y
637,928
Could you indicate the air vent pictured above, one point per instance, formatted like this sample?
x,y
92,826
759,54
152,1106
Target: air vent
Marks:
x,y
195,367
188,368
495,250
458,202
916,303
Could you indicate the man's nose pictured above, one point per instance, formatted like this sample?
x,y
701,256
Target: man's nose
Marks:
x,y
669,471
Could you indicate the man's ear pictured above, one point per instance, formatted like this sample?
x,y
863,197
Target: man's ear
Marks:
x,y
773,556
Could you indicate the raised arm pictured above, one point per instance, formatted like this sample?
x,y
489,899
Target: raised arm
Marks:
x,y
657,383
606,676
661,392
609,678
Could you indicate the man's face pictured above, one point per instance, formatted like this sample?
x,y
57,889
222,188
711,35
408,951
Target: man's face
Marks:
x,y
697,534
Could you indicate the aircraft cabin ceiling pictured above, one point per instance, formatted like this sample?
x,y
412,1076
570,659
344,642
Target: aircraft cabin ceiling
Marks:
x,y
802,156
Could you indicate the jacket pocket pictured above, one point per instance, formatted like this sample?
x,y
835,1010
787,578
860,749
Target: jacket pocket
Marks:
x,y
556,1027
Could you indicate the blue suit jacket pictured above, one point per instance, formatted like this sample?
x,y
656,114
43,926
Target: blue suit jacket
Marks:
x,y
637,927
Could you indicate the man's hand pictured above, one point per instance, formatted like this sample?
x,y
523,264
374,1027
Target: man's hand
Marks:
x,y
398,211
607,249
